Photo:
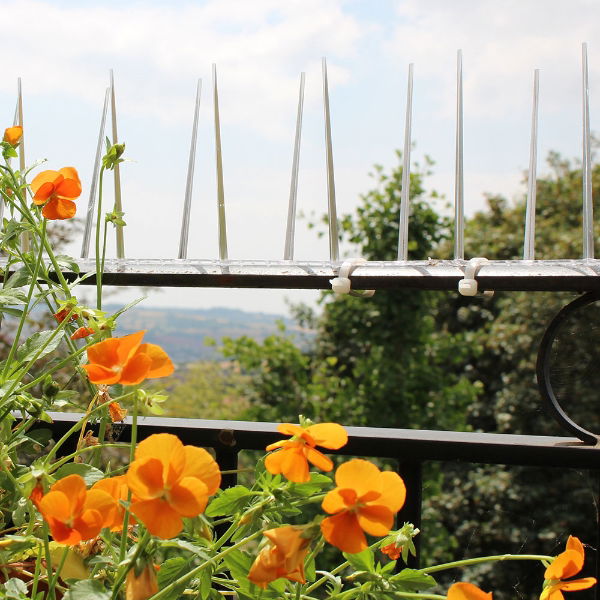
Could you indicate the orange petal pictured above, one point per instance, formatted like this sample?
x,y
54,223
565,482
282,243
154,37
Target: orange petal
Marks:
x,y
344,532
59,209
161,365
566,564
100,374
289,429
199,463
319,460
74,488
360,475
70,173
334,502
55,505
145,478
105,353
188,497
63,534
578,584
128,345
375,520
104,503
82,332
136,370
159,518
159,445
89,524
289,461
328,435
279,444
393,492
40,179
68,188
44,192
467,591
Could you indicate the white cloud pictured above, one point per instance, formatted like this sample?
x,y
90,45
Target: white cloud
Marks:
x,y
158,52
502,43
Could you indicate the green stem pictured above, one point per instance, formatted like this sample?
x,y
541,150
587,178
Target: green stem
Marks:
x,y
51,592
169,589
134,423
130,564
36,574
63,558
457,564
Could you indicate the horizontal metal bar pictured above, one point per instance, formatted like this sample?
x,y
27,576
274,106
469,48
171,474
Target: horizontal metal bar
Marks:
x,y
551,275
489,448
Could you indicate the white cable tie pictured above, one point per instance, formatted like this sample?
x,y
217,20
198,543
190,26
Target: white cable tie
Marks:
x,y
342,284
468,286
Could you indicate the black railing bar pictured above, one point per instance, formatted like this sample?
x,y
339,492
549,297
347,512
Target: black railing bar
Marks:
x,y
559,275
399,444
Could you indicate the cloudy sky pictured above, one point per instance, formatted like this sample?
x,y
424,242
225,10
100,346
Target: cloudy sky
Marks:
x,y
158,49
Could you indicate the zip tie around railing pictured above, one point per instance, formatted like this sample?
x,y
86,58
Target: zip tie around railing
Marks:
x,y
468,286
342,284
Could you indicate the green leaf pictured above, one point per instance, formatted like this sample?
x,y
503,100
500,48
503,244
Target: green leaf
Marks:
x,y
229,501
362,561
171,569
13,312
90,474
87,589
18,279
317,482
15,588
67,263
10,296
412,580
42,342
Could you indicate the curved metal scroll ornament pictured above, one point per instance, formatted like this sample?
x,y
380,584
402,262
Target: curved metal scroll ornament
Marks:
x,y
576,365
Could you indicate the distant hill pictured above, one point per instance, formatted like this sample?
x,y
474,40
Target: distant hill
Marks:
x,y
182,331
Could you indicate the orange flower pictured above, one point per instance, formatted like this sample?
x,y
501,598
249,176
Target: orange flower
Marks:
x,y
13,135
365,499
142,585
126,360
82,332
74,513
282,557
392,551
62,314
566,564
56,190
117,489
294,454
117,412
170,481
467,591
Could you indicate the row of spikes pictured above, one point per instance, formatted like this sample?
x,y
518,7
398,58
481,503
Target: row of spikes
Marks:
x,y
529,236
